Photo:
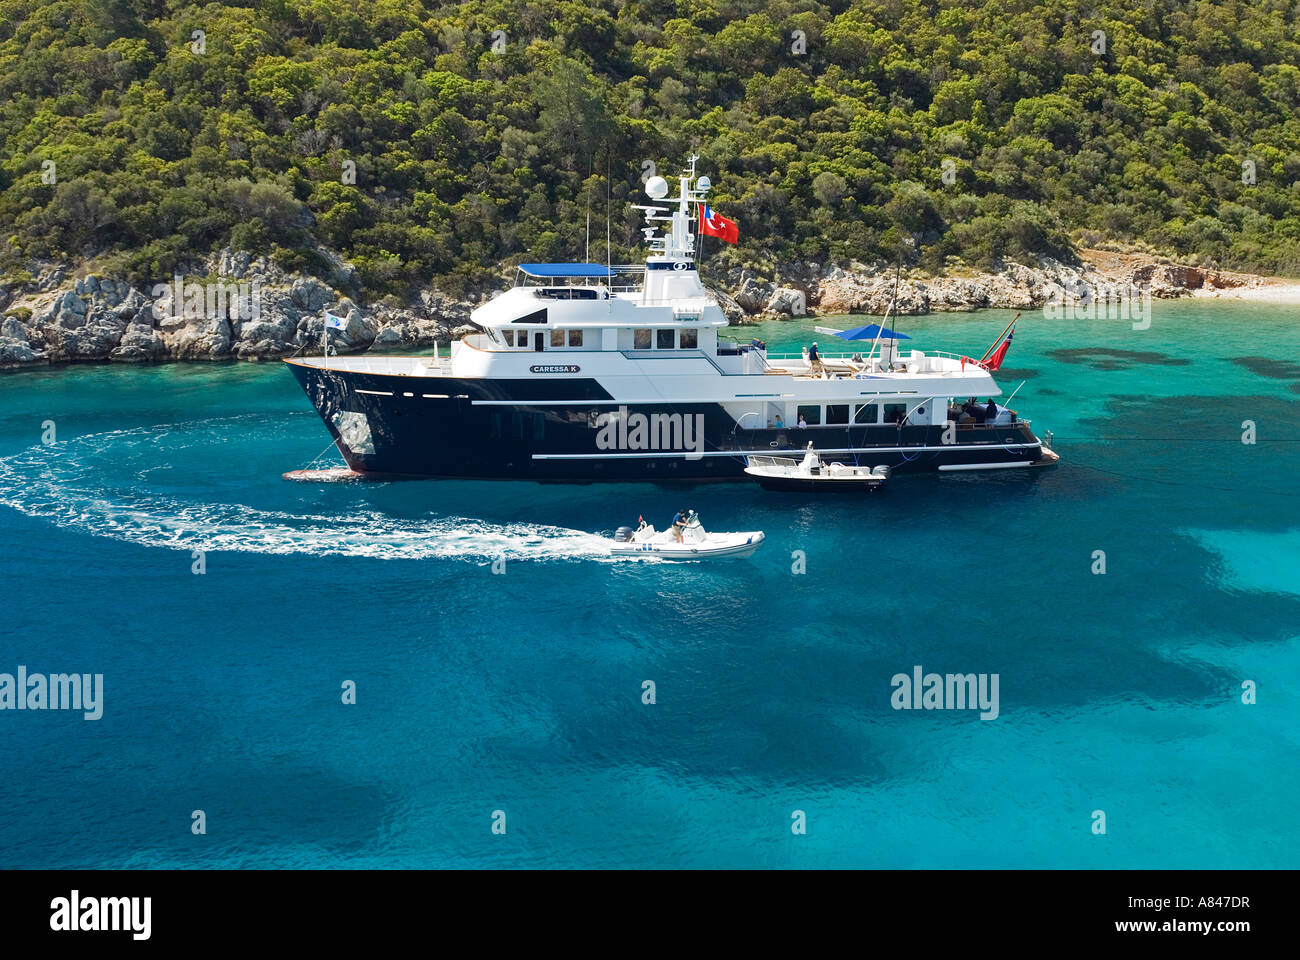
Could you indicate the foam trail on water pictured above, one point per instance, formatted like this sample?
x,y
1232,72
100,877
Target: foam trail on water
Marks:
x,y
58,483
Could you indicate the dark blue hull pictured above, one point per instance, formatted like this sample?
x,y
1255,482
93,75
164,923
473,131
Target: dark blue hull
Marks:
x,y
551,430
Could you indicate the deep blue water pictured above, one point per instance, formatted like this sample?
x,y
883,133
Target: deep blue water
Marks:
x,y
521,691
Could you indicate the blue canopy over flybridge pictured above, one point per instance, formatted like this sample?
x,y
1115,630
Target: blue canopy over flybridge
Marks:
x,y
871,331
566,270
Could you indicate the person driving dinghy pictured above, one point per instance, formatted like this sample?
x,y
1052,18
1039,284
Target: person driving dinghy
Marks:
x,y
679,524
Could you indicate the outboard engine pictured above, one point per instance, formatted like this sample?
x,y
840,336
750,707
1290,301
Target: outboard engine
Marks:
x,y
882,470
624,535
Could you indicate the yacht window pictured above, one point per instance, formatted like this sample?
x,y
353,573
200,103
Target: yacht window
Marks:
x,y
837,413
557,338
690,339
811,413
537,316
894,412
665,339
866,413
509,337
521,339
567,293
641,339
575,338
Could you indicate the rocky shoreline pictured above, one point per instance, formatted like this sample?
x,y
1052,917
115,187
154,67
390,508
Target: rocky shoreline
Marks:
x,y
58,316
260,313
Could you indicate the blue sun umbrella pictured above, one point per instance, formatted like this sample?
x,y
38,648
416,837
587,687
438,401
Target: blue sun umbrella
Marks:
x,y
871,331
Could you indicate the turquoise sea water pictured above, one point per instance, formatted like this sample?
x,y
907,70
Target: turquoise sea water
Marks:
x,y
522,691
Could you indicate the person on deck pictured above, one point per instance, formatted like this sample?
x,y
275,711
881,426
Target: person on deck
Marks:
x,y
679,524
991,411
803,424
814,359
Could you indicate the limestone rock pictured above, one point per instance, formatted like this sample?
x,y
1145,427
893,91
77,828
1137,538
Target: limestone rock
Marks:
x,y
310,294
753,294
140,343
439,306
787,301
82,329
1168,280
15,348
399,329
196,339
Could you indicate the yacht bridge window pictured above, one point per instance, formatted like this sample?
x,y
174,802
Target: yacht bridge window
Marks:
x,y
568,293
566,339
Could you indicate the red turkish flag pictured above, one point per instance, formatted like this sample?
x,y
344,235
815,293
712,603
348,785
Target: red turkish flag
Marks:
x,y
714,225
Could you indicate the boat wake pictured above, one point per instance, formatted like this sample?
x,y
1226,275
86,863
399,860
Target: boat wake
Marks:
x,y
91,485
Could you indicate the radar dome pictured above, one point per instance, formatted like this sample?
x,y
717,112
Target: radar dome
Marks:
x,y
703,184
656,188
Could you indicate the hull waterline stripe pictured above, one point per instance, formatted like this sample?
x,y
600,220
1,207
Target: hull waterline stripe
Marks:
x,y
691,455
542,403
739,398
986,466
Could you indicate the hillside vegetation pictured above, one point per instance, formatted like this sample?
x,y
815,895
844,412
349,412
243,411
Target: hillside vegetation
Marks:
x,y
827,129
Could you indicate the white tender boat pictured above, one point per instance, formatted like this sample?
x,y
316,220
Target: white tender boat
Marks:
x,y
810,473
696,544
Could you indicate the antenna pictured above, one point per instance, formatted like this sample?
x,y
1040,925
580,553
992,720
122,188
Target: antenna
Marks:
x,y
609,267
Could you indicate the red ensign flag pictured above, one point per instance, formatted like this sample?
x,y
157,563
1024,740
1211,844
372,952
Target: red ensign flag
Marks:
x,y
995,362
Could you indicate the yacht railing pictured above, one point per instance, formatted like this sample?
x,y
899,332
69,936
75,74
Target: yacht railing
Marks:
x,y
402,366
892,424
844,363
631,275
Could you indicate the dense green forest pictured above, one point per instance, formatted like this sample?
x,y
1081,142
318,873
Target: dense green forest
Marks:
x,y
944,132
